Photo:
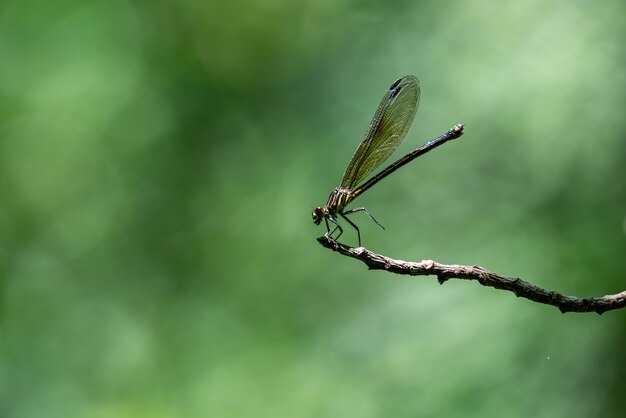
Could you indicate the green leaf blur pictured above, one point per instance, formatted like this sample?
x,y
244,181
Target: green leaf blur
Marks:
x,y
160,160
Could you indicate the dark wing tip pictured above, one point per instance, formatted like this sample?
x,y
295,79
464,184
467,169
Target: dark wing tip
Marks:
x,y
397,85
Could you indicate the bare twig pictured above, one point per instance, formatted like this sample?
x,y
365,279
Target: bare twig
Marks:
x,y
445,272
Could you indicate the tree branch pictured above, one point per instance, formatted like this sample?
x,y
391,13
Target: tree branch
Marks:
x,y
445,272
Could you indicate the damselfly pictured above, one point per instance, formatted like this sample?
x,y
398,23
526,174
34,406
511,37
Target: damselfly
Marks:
x,y
387,129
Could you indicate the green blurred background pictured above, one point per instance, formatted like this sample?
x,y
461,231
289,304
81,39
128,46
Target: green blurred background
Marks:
x,y
160,160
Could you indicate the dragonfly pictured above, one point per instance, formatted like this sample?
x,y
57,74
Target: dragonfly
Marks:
x,y
386,131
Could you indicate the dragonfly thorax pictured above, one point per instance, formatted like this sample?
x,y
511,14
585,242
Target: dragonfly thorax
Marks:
x,y
337,201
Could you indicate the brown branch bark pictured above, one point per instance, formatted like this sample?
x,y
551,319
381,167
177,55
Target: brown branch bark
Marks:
x,y
445,272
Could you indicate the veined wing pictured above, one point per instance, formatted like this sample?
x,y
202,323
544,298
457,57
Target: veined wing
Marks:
x,y
387,129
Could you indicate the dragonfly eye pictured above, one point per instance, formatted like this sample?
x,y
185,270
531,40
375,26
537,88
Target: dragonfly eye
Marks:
x,y
318,214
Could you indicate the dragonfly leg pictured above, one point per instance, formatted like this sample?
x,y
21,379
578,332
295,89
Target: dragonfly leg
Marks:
x,y
358,232
330,233
363,210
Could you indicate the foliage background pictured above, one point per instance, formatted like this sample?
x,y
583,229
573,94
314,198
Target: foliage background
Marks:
x,y
159,161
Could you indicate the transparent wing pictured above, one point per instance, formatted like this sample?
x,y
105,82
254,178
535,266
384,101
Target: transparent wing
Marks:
x,y
387,129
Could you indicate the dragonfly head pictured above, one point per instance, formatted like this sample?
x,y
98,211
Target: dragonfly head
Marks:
x,y
318,214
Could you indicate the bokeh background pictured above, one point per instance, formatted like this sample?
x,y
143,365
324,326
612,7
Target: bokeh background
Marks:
x,y
159,162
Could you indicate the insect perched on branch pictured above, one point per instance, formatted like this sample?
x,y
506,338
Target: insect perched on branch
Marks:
x,y
387,129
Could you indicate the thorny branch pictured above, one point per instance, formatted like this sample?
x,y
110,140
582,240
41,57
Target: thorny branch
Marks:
x,y
445,272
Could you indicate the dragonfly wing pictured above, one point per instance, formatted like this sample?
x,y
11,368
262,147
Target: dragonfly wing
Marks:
x,y
387,129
